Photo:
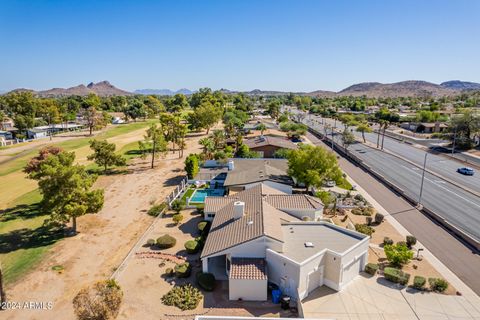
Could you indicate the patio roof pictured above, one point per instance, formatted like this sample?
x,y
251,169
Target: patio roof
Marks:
x,y
248,269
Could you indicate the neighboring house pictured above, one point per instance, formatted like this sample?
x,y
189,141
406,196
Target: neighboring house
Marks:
x,y
45,131
7,124
425,127
267,145
246,173
36,133
6,135
238,174
258,236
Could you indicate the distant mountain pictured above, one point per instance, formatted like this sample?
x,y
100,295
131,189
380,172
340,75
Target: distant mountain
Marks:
x,y
411,88
102,89
163,92
460,85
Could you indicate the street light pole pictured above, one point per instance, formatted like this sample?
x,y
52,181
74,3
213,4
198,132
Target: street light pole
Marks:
x,y
423,178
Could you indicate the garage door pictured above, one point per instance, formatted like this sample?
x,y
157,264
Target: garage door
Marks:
x,y
315,280
351,271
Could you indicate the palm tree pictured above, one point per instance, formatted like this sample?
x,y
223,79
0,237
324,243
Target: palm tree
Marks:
x,y
262,127
208,147
364,127
218,138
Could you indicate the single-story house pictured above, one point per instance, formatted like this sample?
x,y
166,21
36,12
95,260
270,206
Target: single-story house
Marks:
x,y
6,135
267,145
259,236
425,127
246,173
45,131
238,174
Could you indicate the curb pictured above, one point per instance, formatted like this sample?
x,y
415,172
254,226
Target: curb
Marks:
x,y
465,237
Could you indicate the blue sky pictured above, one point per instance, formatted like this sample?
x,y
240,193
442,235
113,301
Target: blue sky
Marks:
x,y
242,45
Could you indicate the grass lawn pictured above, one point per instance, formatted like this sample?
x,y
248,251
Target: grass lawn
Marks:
x,y
23,237
344,184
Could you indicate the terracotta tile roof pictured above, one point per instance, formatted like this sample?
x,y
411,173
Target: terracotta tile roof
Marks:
x,y
248,268
265,211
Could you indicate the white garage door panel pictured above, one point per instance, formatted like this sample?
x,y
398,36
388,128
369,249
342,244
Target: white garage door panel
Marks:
x,y
351,271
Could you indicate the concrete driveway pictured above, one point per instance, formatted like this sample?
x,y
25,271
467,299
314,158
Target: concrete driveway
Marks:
x,y
377,298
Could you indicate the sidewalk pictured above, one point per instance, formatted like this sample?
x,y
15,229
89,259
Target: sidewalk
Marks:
x,y
437,264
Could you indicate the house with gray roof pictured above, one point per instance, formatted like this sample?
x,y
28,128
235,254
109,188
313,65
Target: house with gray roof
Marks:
x,y
263,235
267,145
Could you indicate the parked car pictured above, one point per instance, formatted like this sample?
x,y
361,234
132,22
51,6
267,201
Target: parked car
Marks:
x,y
466,171
330,183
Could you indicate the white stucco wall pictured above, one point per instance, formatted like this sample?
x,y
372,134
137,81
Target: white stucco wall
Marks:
x,y
252,249
283,272
300,213
248,290
358,252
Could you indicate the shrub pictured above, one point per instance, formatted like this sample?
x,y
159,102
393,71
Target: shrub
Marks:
x,y
398,254
419,282
369,221
178,206
437,284
368,211
202,225
150,242
387,241
155,210
166,241
183,270
99,301
371,268
379,218
184,297
359,197
357,211
411,241
402,243
177,218
363,228
396,275
206,281
169,272
192,246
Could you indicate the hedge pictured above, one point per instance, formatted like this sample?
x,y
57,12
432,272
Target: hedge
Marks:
x,y
206,281
437,284
166,241
183,270
371,268
192,246
396,275
419,282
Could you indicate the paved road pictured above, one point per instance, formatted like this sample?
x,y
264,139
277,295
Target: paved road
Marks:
x,y
452,252
459,207
436,163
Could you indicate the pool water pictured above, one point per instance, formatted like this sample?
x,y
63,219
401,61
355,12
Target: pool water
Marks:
x,y
199,195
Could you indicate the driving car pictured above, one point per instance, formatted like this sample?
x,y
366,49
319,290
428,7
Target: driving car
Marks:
x,y
466,171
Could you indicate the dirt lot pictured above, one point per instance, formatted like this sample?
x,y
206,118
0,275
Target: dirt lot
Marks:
x,y
144,273
103,240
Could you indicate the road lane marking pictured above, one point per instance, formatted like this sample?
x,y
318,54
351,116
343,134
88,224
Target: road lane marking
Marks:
x,y
446,189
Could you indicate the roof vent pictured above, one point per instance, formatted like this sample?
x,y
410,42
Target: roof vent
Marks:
x,y
249,223
308,245
238,209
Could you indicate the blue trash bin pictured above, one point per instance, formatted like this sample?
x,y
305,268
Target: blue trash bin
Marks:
x,y
276,294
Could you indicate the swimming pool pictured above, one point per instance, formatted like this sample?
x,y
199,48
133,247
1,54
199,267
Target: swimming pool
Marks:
x,y
199,195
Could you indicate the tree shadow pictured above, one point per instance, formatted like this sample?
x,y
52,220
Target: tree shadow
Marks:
x,y
28,238
21,211
173,181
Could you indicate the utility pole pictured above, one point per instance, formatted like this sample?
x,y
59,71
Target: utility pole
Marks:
x,y
332,138
454,138
423,178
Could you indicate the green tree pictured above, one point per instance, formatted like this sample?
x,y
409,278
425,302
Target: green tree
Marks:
x,y
154,143
218,138
347,138
364,127
262,127
464,128
273,109
398,254
104,154
312,166
205,116
191,165
208,147
136,110
177,103
65,187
